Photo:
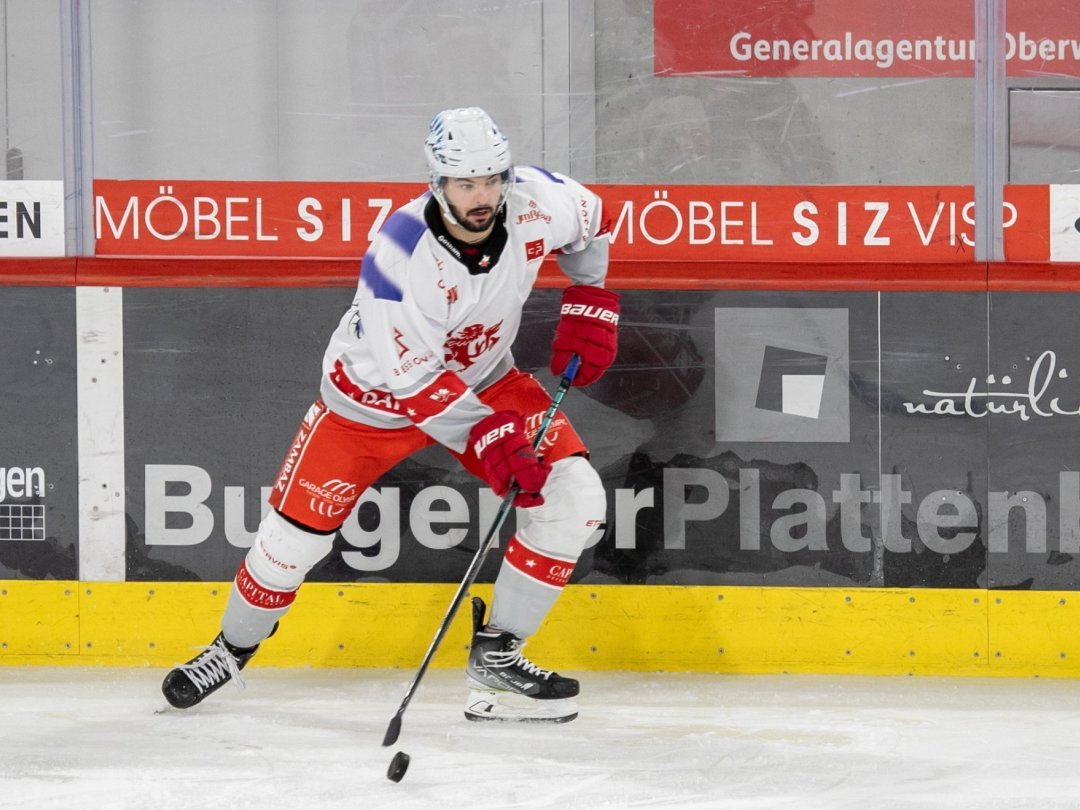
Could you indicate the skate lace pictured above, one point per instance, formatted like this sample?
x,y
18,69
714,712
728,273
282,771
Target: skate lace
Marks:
x,y
513,657
215,665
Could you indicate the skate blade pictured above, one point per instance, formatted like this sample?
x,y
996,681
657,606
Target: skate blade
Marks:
x,y
487,705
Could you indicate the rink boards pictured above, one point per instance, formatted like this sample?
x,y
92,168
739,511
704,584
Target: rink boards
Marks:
x,y
885,631
839,468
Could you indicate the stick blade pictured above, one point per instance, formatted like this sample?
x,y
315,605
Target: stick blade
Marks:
x,y
393,731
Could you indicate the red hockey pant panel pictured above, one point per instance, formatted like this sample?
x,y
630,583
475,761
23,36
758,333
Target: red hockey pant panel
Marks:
x,y
333,460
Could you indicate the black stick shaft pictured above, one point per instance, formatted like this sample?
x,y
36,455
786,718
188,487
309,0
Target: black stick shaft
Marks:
x,y
394,729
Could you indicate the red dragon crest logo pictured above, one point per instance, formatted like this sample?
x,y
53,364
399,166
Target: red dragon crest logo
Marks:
x,y
465,345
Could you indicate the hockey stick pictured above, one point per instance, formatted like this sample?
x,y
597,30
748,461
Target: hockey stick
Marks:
x,y
394,729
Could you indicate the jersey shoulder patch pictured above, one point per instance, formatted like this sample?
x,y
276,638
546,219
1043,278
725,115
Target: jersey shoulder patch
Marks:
x,y
390,252
377,280
528,172
404,230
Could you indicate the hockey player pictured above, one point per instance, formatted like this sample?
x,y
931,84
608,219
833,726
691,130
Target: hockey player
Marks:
x,y
423,356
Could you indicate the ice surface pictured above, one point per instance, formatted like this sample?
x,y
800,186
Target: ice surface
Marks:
x,y
297,738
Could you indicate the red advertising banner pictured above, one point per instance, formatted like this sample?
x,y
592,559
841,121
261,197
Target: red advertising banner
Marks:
x,y
222,219
916,38
816,223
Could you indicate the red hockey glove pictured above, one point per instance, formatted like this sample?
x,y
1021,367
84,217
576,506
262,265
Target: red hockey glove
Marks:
x,y
587,326
500,443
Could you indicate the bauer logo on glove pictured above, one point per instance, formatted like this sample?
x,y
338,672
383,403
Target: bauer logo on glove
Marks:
x,y
587,311
500,443
588,327
490,436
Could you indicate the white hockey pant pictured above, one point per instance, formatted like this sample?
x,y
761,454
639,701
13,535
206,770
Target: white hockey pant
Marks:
x,y
268,578
542,554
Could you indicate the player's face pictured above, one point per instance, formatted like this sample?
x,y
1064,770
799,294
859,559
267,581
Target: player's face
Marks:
x,y
473,200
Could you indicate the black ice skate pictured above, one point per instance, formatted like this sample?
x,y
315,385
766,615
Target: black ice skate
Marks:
x,y
207,672
505,685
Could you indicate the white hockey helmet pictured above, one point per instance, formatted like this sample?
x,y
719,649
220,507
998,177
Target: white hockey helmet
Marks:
x,y
465,142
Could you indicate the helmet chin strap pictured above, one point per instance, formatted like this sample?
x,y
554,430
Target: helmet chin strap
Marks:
x,y
440,195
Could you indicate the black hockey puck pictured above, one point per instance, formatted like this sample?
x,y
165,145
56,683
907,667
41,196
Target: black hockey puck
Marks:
x,y
398,765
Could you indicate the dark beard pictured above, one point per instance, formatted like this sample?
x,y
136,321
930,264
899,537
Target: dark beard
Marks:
x,y
469,226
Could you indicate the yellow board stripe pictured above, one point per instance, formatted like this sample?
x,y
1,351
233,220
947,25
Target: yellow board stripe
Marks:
x,y
592,627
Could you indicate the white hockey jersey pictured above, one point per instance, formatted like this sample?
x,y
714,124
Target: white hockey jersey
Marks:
x,y
433,322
